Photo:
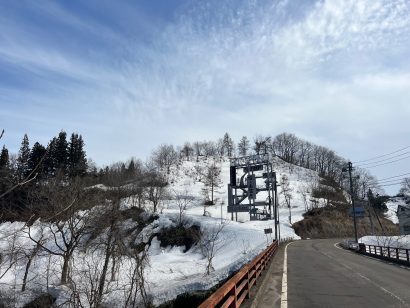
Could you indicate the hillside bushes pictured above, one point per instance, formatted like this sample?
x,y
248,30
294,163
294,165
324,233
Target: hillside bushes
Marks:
x,y
180,236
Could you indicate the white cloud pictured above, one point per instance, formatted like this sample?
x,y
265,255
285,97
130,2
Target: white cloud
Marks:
x,y
331,71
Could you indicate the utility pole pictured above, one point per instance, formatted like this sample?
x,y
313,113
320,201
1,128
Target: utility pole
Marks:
x,y
350,168
275,187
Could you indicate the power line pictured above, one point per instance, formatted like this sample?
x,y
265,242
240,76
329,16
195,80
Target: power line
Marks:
x,y
388,162
380,156
386,159
396,176
384,185
391,180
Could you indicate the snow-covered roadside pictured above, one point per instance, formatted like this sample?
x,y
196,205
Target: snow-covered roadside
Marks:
x,y
401,241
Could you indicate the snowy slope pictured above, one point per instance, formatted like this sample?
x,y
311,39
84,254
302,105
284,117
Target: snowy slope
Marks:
x,y
392,205
241,240
171,271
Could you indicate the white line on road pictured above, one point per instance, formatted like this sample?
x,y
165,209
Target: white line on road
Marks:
x,y
366,278
284,296
383,289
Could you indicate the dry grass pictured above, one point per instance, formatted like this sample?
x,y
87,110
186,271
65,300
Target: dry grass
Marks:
x,y
333,222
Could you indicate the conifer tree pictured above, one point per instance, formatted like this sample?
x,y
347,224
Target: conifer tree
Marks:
x,y
49,164
4,158
229,145
243,146
60,153
22,159
76,156
36,155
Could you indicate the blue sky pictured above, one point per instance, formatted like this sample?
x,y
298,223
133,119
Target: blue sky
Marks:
x,y
130,75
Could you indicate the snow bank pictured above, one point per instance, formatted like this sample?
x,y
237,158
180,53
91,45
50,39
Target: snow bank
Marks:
x,y
402,241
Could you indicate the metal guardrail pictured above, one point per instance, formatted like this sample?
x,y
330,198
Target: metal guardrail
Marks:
x,y
400,255
237,289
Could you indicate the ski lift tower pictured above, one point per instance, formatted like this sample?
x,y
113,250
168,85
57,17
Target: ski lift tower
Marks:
x,y
249,176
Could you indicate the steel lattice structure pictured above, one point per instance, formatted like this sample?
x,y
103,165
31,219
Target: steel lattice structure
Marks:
x,y
250,175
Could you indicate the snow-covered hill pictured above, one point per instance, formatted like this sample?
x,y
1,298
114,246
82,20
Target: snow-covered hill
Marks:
x,y
171,270
174,272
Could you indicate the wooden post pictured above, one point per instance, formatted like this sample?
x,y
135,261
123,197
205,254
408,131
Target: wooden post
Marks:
x,y
236,298
248,288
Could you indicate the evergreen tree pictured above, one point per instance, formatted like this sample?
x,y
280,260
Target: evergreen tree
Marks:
x,y
4,158
131,170
37,153
5,172
76,156
22,159
243,146
49,164
60,153
229,145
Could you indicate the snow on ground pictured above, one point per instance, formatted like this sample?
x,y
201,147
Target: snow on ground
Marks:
x,y
173,271
401,241
392,205
240,241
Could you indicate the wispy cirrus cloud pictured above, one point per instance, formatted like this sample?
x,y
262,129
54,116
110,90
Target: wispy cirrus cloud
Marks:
x,y
331,71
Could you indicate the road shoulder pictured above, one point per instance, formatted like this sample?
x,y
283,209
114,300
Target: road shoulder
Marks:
x,y
267,292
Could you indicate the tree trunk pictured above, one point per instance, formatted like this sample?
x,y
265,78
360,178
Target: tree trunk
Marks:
x,y
23,287
212,192
64,273
113,269
30,258
105,268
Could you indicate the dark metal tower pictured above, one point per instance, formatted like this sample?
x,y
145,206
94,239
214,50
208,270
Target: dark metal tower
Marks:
x,y
250,175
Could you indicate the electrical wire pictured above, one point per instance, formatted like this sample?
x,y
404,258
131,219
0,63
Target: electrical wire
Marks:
x,y
384,185
383,160
380,156
396,176
391,180
390,162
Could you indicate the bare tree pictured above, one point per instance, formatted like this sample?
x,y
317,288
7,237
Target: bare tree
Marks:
x,y
220,148
165,157
261,145
287,193
182,201
8,256
212,179
209,149
405,187
139,261
198,149
187,150
304,190
211,243
155,190
63,221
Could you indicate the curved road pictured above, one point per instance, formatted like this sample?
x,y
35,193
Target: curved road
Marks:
x,y
319,274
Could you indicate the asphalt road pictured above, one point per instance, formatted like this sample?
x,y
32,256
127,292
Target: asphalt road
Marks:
x,y
319,274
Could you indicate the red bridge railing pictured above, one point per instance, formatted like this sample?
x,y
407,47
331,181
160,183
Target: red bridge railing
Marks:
x,y
391,253
237,289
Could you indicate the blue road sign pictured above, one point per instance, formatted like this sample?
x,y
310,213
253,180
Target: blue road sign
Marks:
x,y
359,212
